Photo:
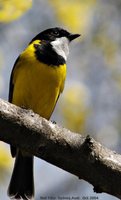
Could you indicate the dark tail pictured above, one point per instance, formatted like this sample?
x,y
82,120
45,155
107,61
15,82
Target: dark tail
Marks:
x,y
22,184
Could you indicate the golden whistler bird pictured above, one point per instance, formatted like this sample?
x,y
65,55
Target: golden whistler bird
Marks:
x,y
37,79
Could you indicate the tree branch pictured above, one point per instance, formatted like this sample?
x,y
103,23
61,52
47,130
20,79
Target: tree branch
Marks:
x,y
83,157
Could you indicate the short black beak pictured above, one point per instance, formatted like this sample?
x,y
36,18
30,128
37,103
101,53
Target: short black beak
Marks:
x,y
73,36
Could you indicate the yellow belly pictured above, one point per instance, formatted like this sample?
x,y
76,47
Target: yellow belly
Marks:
x,y
37,86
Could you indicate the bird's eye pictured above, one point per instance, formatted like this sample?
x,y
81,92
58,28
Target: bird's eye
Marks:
x,y
55,33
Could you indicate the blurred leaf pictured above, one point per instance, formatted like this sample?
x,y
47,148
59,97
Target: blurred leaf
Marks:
x,y
116,76
108,46
75,106
13,9
5,160
74,13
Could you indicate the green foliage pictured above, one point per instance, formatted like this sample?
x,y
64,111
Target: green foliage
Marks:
x,y
13,9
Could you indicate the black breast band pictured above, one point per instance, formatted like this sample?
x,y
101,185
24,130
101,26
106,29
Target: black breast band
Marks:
x,y
46,54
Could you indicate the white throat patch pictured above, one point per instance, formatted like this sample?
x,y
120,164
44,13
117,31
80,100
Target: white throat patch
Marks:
x,y
61,47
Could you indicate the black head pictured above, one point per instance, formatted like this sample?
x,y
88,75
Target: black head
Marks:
x,y
53,33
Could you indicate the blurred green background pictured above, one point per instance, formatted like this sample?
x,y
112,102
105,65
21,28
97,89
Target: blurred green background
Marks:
x,y
91,101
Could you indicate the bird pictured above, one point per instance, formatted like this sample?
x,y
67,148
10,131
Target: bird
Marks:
x,y
36,82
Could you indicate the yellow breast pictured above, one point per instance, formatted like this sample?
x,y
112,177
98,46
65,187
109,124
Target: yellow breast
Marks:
x,y
36,85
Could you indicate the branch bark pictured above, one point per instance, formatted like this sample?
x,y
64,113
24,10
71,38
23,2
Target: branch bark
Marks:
x,y
83,157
